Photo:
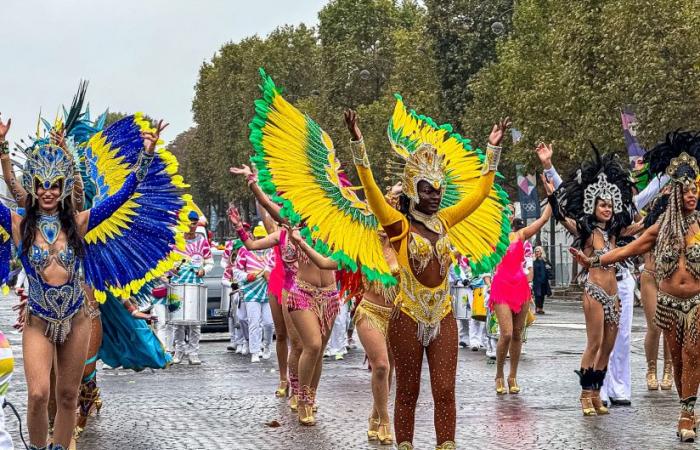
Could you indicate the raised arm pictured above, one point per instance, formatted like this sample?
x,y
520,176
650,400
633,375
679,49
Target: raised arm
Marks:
x,y
392,220
532,229
268,241
457,213
15,188
637,247
272,208
320,261
643,198
544,153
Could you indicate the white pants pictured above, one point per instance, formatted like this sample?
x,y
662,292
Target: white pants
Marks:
x,y
5,438
463,331
191,346
260,326
163,330
477,333
240,335
339,334
618,381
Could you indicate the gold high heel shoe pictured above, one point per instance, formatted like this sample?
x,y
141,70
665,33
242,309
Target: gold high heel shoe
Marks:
x,y
384,434
447,445
405,446
294,402
282,390
373,429
513,387
306,415
652,382
667,381
685,427
500,386
600,409
587,403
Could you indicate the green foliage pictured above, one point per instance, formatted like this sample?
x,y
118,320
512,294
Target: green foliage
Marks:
x,y
568,67
562,70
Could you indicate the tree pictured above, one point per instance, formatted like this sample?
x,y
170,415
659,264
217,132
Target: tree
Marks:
x,y
464,34
568,67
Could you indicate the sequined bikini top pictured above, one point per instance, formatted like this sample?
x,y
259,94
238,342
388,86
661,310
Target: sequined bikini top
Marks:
x,y
421,251
668,258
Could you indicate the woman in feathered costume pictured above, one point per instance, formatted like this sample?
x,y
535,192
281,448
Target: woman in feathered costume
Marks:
x,y
595,206
55,243
675,240
459,207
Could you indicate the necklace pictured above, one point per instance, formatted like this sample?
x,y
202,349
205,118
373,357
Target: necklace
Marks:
x,y
431,222
50,227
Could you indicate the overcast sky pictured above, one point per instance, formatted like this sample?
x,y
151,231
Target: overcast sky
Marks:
x,y
139,55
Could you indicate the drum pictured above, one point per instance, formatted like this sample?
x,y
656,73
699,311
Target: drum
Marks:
x,y
459,302
479,305
193,304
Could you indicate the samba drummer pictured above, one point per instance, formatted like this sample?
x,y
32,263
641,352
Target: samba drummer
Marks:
x,y
197,263
252,270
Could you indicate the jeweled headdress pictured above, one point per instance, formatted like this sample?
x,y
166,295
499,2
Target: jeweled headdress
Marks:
x,y
603,190
425,164
47,162
46,165
603,177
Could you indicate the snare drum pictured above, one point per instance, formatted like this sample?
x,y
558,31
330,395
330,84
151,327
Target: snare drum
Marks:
x,y
193,304
460,304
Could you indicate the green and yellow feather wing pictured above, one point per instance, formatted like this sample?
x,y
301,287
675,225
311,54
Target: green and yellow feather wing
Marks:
x,y
298,168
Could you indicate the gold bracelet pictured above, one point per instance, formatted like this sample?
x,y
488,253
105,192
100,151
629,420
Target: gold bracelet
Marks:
x,y
359,153
493,156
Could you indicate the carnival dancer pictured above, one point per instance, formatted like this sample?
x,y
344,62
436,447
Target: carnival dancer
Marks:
x,y
595,206
510,299
423,228
54,242
618,378
676,244
312,303
198,261
227,262
252,271
371,320
286,255
298,168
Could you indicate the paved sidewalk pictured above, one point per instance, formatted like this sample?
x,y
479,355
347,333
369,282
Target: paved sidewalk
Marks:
x,y
227,402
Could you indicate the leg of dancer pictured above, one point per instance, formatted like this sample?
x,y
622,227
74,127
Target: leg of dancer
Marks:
x,y
371,323
281,345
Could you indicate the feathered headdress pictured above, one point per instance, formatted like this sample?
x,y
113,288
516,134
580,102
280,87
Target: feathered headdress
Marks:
x,y
677,156
603,177
47,163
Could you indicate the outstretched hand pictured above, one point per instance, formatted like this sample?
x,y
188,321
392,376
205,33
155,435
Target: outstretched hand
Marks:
x,y
544,153
4,128
150,138
243,170
499,131
235,217
581,258
351,122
